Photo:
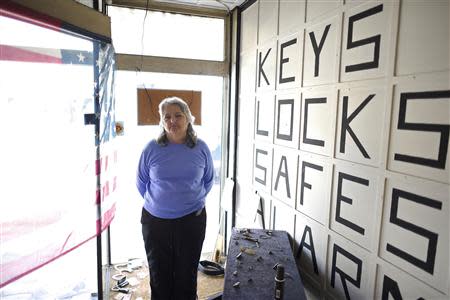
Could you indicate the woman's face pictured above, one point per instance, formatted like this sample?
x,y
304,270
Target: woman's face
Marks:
x,y
175,121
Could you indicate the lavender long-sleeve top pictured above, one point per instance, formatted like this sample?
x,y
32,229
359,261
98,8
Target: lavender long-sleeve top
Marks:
x,y
174,179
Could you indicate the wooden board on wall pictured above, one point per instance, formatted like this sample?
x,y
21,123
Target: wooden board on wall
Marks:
x,y
149,99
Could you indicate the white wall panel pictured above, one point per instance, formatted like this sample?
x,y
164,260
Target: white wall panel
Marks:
x,y
287,119
317,8
420,129
361,125
268,20
244,193
246,115
399,285
290,54
262,167
247,72
266,63
366,38
350,270
424,34
283,218
321,61
314,186
311,248
415,229
264,117
354,206
249,28
292,16
318,121
244,163
244,153
284,182
254,215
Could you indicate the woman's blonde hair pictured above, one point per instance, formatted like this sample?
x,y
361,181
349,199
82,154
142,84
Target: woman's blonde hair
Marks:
x,y
191,137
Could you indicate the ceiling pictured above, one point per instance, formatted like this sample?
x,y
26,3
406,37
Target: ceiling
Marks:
x,y
216,4
201,5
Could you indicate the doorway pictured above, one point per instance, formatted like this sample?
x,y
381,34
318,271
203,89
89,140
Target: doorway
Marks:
x,y
126,238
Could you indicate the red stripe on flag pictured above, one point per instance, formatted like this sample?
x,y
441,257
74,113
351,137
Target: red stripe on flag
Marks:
x,y
19,54
114,183
97,167
97,197
106,163
106,219
16,269
98,225
108,216
106,189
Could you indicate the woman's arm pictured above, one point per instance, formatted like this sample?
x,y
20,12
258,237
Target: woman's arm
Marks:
x,y
208,177
142,174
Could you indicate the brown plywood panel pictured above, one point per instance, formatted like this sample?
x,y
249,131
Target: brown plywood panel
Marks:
x,y
149,99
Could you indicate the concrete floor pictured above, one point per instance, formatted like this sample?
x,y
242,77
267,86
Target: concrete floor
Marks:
x,y
140,288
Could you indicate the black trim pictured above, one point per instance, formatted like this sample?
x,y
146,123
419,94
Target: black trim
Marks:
x,y
81,32
236,116
96,51
246,5
230,96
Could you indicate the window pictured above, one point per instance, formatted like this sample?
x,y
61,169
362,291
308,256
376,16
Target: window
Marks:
x,y
166,34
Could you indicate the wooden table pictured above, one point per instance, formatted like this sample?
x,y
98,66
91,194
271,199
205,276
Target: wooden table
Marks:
x,y
252,264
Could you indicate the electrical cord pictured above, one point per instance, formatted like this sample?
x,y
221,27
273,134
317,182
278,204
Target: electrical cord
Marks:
x,y
210,268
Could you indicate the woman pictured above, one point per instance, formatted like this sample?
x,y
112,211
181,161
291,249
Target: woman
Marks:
x,y
175,174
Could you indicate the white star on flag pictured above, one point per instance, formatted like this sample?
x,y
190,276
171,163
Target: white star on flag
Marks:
x,y
81,57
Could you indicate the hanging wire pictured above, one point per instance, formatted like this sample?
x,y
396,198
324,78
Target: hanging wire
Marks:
x,y
142,37
139,69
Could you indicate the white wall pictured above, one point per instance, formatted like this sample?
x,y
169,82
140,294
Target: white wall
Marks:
x,y
344,113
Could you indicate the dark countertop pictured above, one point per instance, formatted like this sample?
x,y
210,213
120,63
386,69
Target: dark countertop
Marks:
x,y
255,267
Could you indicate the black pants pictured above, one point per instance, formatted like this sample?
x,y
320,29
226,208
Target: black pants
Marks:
x,y
173,248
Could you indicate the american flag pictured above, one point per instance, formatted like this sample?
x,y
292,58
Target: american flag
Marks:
x,y
28,243
45,55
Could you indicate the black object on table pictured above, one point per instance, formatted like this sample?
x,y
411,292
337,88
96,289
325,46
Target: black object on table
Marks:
x,y
251,268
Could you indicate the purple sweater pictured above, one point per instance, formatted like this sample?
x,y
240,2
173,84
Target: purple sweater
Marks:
x,y
174,180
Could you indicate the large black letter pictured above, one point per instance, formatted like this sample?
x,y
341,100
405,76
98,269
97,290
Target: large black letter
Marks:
x,y
344,277
259,151
261,71
390,287
374,39
345,126
305,122
340,197
318,49
304,183
284,174
428,264
441,128
310,247
259,131
260,212
285,60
